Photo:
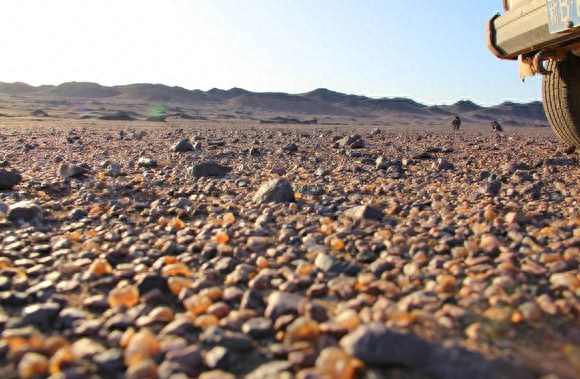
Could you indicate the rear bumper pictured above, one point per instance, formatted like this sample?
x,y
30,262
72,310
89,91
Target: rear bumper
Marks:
x,y
524,30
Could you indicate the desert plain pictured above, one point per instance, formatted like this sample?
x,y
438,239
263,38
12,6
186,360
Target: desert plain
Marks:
x,y
224,246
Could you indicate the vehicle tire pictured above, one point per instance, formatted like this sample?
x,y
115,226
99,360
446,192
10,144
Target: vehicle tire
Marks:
x,y
561,94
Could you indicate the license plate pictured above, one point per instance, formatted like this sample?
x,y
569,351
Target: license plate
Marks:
x,y
563,14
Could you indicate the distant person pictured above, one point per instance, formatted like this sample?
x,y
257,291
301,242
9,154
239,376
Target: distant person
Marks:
x,y
496,126
456,123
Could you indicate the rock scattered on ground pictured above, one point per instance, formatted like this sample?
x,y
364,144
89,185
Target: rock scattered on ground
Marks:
x,y
332,260
182,146
9,178
275,190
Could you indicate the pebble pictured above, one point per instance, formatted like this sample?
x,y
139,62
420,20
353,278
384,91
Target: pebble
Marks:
x,y
258,327
280,303
40,314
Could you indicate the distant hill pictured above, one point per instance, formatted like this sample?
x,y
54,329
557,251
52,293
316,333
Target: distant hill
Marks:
x,y
462,106
320,101
19,88
82,90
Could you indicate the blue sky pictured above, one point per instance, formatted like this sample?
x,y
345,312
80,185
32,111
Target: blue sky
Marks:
x,y
432,51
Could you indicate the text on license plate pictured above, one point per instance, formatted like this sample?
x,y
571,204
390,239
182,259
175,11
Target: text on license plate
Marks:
x,y
563,14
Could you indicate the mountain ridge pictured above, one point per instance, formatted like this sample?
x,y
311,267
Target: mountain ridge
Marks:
x,y
320,101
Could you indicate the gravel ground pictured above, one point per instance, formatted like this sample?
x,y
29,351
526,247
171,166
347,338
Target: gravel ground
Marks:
x,y
242,250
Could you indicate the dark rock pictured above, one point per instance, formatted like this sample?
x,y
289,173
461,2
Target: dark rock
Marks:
x,y
291,148
236,341
42,291
68,316
209,169
78,214
353,141
311,189
366,257
182,146
232,340
152,282
25,212
353,153
9,178
422,154
443,165
252,299
39,113
377,345
40,314
212,335
109,361
275,190
434,149
146,162
382,163
118,116
281,303
15,299
364,212
66,170
492,188
189,356
177,327
255,152
258,327
119,321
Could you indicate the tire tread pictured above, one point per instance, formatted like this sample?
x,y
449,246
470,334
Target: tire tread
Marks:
x,y
561,93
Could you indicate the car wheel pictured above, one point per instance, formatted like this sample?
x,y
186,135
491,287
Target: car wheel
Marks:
x,y
561,94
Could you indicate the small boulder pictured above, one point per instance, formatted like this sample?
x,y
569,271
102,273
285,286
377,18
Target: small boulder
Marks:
x,y
492,188
66,170
209,169
146,162
275,190
366,212
9,178
25,212
182,146
353,141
